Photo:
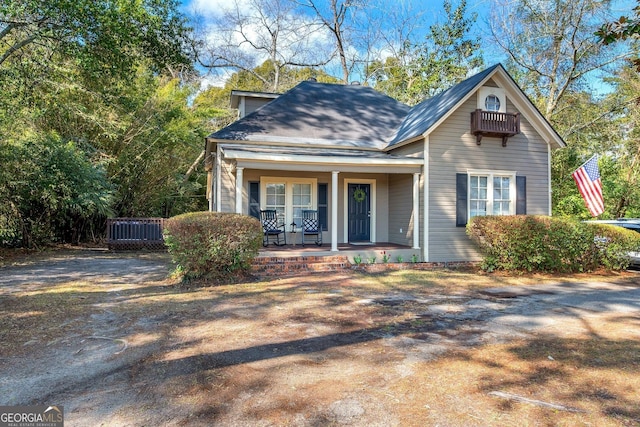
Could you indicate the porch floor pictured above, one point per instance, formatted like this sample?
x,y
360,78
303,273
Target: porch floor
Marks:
x,y
344,249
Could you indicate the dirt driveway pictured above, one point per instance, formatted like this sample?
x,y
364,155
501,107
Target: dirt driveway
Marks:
x,y
111,339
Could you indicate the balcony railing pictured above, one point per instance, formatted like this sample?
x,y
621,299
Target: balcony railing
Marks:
x,y
494,124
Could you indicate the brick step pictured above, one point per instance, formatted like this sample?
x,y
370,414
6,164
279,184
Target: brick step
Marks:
x,y
275,266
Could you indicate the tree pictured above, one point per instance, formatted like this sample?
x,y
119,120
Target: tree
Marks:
x,y
444,59
550,46
51,191
254,31
105,36
622,29
335,21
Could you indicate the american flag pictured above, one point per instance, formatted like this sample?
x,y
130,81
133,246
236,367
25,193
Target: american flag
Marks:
x,y
587,177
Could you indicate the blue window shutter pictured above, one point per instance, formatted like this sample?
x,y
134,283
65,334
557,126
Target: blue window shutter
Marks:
x,y
254,199
521,195
461,199
323,205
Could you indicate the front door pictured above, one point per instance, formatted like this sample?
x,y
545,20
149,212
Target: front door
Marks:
x,y
359,213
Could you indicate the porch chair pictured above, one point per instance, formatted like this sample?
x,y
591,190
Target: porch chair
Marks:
x,y
311,226
271,228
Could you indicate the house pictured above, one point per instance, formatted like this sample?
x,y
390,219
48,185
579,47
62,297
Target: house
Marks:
x,y
377,170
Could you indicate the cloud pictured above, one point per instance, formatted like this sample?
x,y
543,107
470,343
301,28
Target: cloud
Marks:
x,y
213,8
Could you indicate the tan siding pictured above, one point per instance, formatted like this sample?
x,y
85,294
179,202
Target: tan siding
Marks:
x,y
453,150
415,149
252,104
400,209
228,187
382,196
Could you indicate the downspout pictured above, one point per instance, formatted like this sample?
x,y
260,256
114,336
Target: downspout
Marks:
x,y
425,203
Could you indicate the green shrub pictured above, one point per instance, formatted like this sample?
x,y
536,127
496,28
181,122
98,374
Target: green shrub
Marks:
x,y
549,244
614,244
213,247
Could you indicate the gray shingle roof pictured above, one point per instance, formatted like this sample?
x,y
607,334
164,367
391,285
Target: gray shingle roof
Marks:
x,y
343,116
427,113
347,115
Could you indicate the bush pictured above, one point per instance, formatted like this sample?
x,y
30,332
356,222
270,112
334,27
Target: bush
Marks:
x,y
542,243
213,247
615,243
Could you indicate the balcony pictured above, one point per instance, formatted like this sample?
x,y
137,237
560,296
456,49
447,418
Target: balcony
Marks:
x,y
494,124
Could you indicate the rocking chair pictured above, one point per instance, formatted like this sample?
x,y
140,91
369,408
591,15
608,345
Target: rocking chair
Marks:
x,y
271,228
311,226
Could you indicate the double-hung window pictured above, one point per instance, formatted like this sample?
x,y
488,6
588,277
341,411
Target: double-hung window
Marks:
x,y
491,193
486,192
289,197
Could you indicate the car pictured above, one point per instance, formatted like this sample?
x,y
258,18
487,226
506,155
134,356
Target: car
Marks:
x,y
630,224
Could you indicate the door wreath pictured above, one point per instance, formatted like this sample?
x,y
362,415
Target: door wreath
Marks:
x,y
359,195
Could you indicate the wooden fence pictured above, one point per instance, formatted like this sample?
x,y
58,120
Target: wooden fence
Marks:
x,y
135,233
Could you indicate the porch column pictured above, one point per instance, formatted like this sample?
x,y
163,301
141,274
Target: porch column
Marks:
x,y
334,211
218,203
239,178
416,211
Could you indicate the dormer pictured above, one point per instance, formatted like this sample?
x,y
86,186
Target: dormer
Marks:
x,y
246,102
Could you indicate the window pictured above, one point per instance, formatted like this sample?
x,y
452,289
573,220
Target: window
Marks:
x,y
478,196
276,199
301,200
492,99
288,196
492,103
491,193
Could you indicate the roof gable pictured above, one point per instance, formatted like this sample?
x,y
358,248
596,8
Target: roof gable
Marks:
x,y
426,114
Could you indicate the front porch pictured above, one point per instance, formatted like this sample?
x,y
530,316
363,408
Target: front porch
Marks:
x,y
290,260
365,251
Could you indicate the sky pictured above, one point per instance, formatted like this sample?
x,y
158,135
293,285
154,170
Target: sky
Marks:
x,y
431,10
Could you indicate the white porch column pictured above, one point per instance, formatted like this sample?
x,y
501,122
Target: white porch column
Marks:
x,y
416,211
218,207
334,211
239,178
425,202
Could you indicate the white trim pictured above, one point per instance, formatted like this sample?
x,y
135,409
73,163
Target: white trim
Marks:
x,y
218,183
334,211
288,182
425,202
239,185
372,195
416,211
230,153
486,91
549,178
490,174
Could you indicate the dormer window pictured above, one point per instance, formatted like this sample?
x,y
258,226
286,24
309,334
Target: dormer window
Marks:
x,y
492,103
492,99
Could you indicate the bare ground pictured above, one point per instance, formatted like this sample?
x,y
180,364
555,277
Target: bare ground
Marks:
x,y
115,342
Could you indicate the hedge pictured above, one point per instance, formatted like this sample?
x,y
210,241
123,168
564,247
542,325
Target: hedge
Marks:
x,y
550,244
212,246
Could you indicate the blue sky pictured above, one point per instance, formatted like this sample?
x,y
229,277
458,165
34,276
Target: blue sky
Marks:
x,y
431,11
